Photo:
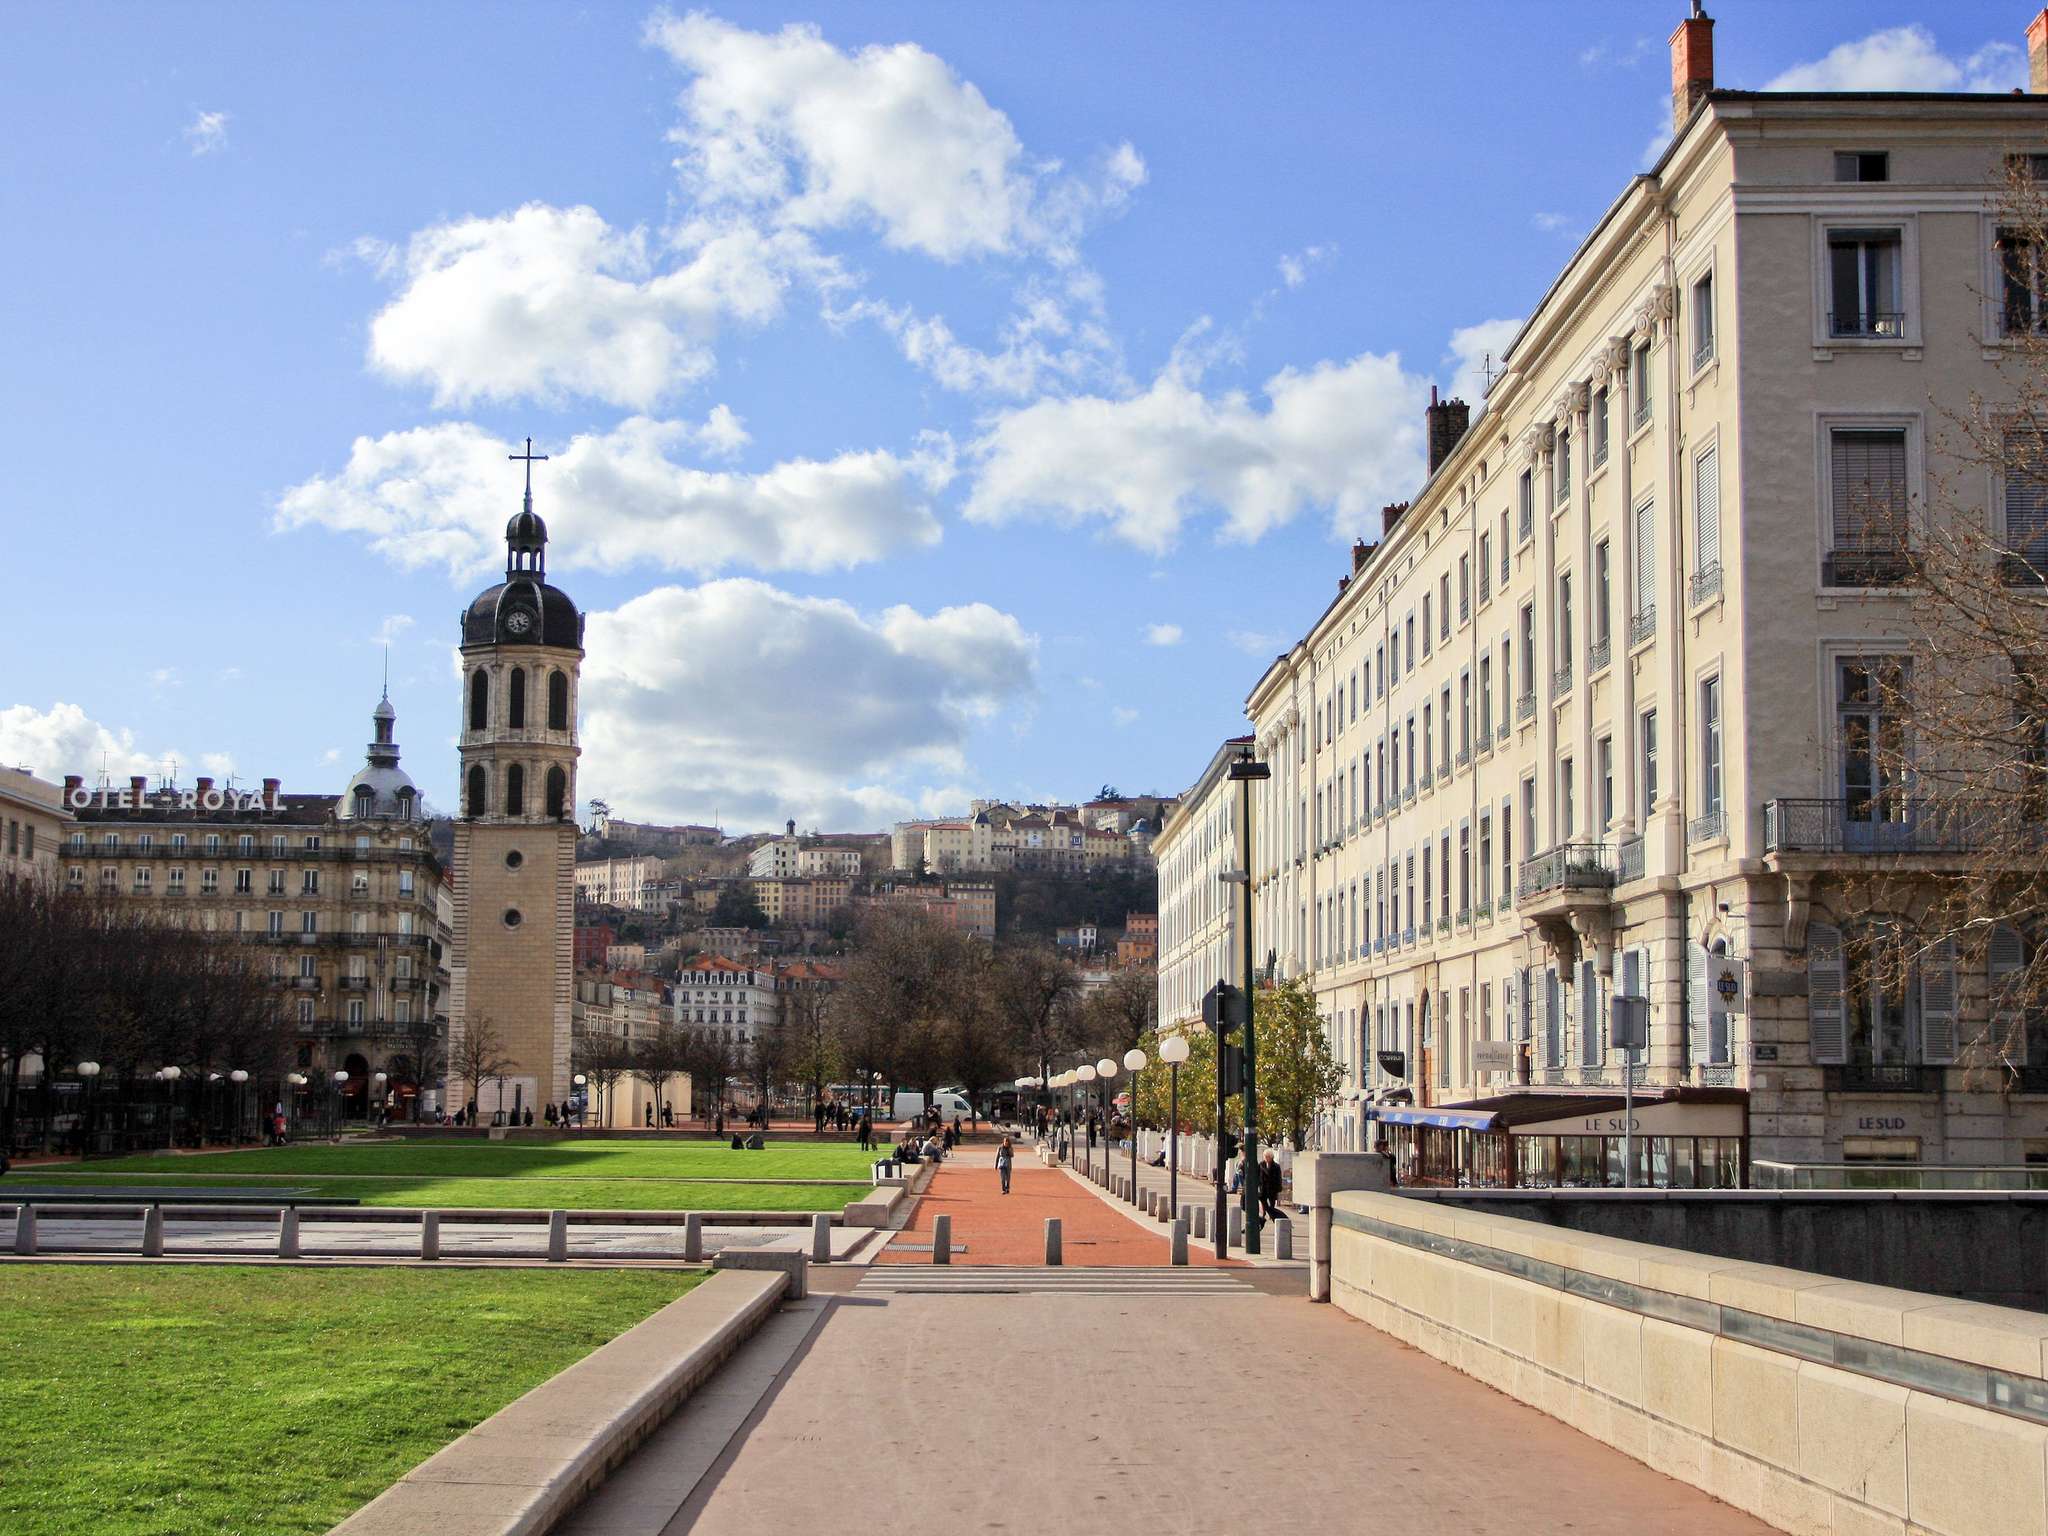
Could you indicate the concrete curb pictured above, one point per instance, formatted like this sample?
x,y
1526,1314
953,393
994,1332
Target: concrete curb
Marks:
x,y
528,1465
873,1209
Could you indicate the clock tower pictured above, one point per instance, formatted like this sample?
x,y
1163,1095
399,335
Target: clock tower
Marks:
x,y
512,969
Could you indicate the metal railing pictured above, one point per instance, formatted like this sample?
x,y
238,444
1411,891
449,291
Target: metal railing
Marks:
x,y
1867,324
1561,681
1883,824
1443,924
1525,707
1864,568
1640,416
1881,1077
1641,626
1706,583
1773,1175
2023,570
1464,757
1702,354
1603,652
1628,861
1570,867
1707,826
1525,524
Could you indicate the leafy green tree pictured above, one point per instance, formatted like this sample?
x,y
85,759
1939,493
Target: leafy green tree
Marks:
x,y
737,907
1298,1077
1197,1085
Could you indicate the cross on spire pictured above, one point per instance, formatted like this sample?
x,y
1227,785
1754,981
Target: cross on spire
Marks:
x,y
530,458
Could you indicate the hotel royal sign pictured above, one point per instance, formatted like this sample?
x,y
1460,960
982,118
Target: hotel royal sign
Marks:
x,y
107,797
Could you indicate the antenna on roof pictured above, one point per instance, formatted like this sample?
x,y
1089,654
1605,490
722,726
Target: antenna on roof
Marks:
x,y
387,671
1486,361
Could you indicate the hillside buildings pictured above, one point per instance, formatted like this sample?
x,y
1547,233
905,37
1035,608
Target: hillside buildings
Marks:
x,y
1044,839
1589,718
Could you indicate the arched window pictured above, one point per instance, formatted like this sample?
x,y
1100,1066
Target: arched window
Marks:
x,y
364,800
515,704
479,700
515,791
475,805
558,701
558,791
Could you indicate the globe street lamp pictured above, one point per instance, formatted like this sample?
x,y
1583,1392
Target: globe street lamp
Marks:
x,y
170,1076
1105,1074
580,1080
340,1082
1173,1050
1134,1063
377,1082
238,1077
90,1071
1084,1075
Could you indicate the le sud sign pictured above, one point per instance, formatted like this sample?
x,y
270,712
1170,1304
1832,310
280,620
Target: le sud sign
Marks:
x,y
106,797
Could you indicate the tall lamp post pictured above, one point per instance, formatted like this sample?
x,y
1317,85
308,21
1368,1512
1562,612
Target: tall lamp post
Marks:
x,y
580,1081
90,1071
1084,1075
240,1079
377,1082
1173,1050
170,1076
296,1081
340,1086
1105,1074
1246,770
1134,1063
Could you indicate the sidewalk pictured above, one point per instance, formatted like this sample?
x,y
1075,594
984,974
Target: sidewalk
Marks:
x,y
1010,1229
1194,1190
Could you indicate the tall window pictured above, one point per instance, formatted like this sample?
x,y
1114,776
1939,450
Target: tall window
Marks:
x,y
1485,697
515,704
558,793
1443,606
1566,824
1703,321
1525,503
479,700
1639,384
558,701
1643,614
1464,588
1710,749
1564,633
1603,584
1485,568
1598,423
476,805
1564,466
1426,637
1863,284
1867,496
1528,689
515,791
1603,765
2026,510
1706,521
1485,859
1870,691
1647,735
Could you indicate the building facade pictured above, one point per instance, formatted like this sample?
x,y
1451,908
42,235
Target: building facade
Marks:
x,y
1587,720
633,882
32,819
1198,909
513,962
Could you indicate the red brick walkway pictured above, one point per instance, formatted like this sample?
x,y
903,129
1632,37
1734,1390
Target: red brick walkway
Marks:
x,y
1010,1229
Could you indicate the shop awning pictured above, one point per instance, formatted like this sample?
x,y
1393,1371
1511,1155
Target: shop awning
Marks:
x,y
1445,1119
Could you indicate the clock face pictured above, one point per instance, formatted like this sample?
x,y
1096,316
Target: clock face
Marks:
x,y
519,621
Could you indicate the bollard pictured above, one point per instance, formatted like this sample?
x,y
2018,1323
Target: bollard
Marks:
x,y
1237,1226
153,1232
1187,1214
1180,1242
25,1229
1202,1223
1052,1240
558,1237
288,1232
942,1239
1283,1238
821,1238
430,1234
693,1237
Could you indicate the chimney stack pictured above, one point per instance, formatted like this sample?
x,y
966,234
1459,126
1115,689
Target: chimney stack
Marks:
x,y
1448,420
1389,516
270,790
73,781
2037,54
203,786
138,786
1359,551
1692,64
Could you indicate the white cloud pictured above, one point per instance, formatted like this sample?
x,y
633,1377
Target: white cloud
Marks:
x,y
1121,716
1162,634
723,433
220,764
1616,55
738,697
331,755
440,495
394,625
1551,223
1906,59
166,677
1294,269
787,126
1252,642
207,133
1044,347
63,739
1345,436
554,303
1473,349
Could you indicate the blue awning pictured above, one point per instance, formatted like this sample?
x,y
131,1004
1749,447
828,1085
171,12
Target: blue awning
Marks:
x,y
1447,1119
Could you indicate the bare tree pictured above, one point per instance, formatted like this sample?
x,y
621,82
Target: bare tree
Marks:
x,y
478,1056
658,1056
1033,986
815,1054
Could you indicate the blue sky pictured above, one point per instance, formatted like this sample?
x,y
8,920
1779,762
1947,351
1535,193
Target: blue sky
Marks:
x,y
944,400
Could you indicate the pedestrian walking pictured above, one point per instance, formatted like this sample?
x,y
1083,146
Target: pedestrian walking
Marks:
x,y
1269,1184
1005,1156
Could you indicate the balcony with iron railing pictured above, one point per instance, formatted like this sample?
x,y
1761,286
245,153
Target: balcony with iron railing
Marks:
x,y
1706,584
1443,925
1569,867
1464,757
1863,568
1867,324
1888,824
1881,1077
1525,707
1640,416
1603,652
1628,861
1703,354
1561,681
1707,827
1525,526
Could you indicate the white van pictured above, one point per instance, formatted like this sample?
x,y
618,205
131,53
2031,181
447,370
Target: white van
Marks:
x,y
951,1106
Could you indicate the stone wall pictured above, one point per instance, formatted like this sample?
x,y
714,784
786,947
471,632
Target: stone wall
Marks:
x,y
1987,1247
1816,1404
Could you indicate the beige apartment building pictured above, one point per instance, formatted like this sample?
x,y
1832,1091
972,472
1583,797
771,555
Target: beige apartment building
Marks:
x,y
1198,910
344,893
633,882
32,819
1586,720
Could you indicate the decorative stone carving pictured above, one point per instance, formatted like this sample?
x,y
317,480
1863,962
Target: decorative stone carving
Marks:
x,y
1798,910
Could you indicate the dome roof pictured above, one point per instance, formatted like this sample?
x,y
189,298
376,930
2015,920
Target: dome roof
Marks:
x,y
523,611
526,530
392,793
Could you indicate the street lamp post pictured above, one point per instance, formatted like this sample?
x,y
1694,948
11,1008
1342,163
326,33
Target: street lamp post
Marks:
x,y
1105,1074
1134,1063
90,1071
240,1080
340,1087
1084,1075
1173,1050
170,1076
1246,769
377,1082
580,1080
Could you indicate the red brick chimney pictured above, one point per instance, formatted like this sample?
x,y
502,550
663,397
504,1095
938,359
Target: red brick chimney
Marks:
x,y
2037,54
138,785
204,786
1692,64
1447,423
73,781
270,790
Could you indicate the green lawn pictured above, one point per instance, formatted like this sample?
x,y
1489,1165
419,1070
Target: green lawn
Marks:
x,y
176,1400
571,1158
510,1192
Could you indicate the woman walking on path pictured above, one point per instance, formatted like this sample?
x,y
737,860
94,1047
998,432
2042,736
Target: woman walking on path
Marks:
x,y
1005,1155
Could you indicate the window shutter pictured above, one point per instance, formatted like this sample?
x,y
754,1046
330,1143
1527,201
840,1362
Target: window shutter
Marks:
x,y
1869,484
1589,1014
2026,506
2006,958
1706,508
1646,558
1824,1027
1696,1028
1938,1004
1553,1021
1634,965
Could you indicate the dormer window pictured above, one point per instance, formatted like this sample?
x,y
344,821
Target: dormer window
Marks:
x,y
364,801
